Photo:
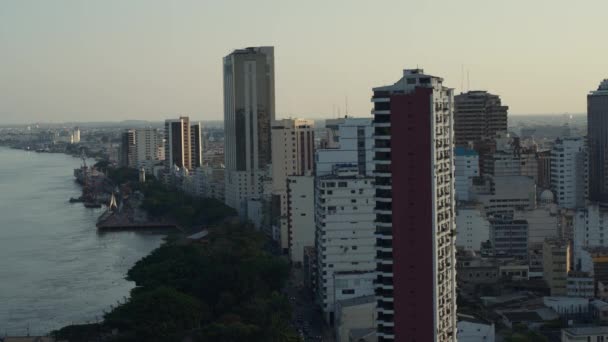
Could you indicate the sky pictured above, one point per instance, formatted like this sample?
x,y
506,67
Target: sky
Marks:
x,y
113,60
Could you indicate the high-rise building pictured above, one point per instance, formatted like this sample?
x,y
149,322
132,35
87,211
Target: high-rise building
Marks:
x,y
196,145
177,143
249,109
415,216
293,144
477,115
569,172
345,242
544,169
150,148
344,214
597,136
76,135
128,149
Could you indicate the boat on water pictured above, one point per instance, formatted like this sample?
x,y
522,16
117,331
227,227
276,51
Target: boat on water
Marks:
x,y
92,205
76,200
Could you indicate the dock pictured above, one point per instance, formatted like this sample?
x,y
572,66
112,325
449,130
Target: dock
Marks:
x,y
117,222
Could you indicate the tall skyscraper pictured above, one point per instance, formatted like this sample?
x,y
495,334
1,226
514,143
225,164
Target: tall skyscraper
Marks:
x,y
249,110
415,220
293,144
597,136
478,115
183,144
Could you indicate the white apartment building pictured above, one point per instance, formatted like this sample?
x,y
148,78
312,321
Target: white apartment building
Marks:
x,y
345,237
351,142
466,166
569,172
149,147
300,215
293,144
580,284
472,228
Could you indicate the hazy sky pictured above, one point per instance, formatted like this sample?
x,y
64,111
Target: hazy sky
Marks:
x,y
84,60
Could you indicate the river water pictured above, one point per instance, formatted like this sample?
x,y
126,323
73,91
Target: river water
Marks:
x,y
55,269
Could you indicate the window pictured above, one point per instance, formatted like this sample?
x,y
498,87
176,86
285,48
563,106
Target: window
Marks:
x,y
348,291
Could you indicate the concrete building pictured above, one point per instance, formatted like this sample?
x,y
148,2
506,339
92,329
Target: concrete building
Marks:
x,y
292,155
300,215
351,142
345,240
503,195
472,227
355,315
543,223
597,136
478,114
509,237
556,265
585,334
471,329
569,172
580,284
150,148
76,135
177,143
590,228
466,167
249,109
543,180
415,216
213,182
196,145
128,149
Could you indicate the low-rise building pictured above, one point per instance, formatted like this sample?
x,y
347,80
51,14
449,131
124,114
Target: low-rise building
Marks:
x,y
584,334
471,329
355,316
472,227
556,265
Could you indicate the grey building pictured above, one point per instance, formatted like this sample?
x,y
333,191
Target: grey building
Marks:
x,y
509,237
597,135
249,109
478,114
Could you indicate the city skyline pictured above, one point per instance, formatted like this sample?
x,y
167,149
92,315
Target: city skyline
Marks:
x,y
129,61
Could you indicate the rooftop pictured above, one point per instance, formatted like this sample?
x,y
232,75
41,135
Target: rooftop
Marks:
x,y
583,331
462,151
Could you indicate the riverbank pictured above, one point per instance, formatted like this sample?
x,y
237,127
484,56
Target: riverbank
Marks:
x,y
55,267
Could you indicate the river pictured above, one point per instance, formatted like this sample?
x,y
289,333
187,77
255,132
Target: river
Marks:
x,y
55,269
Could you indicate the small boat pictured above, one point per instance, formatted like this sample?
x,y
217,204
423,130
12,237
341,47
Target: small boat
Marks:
x,y
92,205
76,200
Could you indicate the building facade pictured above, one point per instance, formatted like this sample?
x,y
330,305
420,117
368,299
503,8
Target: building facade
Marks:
x,y
177,143
345,240
415,215
249,109
478,114
293,145
300,215
597,135
569,172
466,167
128,149
150,148
556,265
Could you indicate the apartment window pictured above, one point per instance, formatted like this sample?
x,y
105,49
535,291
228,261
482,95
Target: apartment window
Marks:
x,y
348,291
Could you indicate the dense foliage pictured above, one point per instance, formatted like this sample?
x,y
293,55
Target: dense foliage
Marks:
x,y
187,210
227,289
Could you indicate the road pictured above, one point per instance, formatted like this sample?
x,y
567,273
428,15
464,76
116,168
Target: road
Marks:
x,y
307,316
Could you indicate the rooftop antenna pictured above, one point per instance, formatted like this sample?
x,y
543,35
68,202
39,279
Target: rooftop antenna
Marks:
x,y
346,104
462,78
468,81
